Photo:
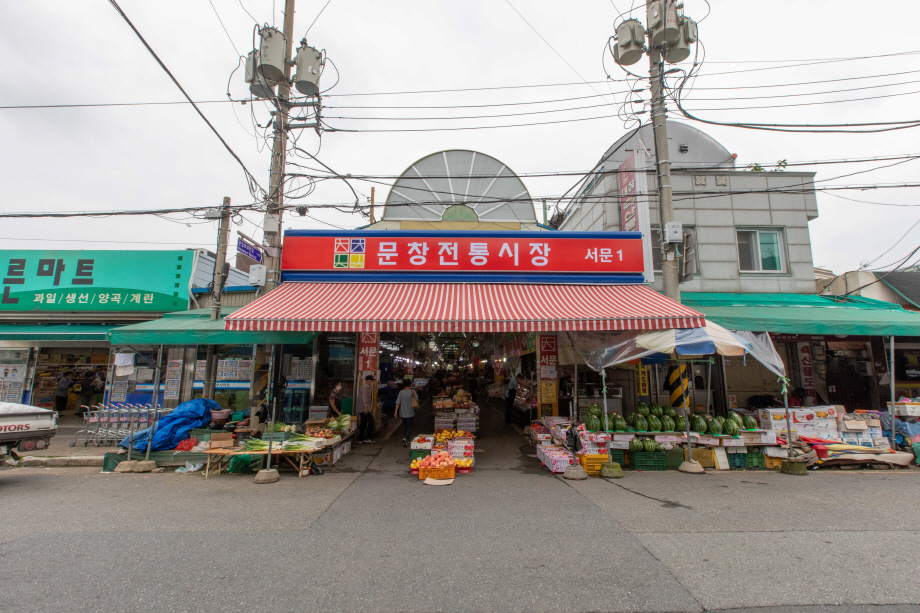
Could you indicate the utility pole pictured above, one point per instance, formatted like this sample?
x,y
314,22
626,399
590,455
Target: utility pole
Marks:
x,y
223,236
272,222
669,272
670,35
372,206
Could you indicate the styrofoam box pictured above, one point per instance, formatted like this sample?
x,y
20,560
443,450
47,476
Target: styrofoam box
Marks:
x,y
908,409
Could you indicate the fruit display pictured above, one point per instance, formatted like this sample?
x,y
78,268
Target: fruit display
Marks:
x,y
749,423
735,417
654,424
439,460
643,444
680,423
698,424
596,409
642,409
670,412
655,410
715,427
619,423
447,435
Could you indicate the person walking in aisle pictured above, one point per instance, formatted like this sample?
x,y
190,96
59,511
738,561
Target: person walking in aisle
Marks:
x,y
406,403
510,394
365,410
62,390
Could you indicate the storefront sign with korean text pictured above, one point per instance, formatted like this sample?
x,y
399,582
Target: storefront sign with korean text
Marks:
x,y
806,368
367,352
629,211
468,252
95,280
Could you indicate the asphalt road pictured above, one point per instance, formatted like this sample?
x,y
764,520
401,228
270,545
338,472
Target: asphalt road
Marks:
x,y
509,537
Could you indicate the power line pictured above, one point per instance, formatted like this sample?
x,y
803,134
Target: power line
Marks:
x,y
317,17
230,38
250,178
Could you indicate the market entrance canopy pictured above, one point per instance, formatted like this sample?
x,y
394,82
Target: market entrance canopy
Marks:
x,y
455,307
196,328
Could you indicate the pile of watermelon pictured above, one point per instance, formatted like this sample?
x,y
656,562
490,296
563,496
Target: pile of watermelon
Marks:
x,y
643,444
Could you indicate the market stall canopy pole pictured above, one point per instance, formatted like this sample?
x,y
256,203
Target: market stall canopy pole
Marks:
x,y
460,307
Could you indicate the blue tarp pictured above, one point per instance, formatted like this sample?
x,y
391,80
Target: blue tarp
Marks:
x,y
174,428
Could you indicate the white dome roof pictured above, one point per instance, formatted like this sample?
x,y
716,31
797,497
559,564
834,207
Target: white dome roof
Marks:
x,y
702,151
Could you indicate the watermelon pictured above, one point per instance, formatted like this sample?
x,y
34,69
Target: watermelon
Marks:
x,y
636,444
641,423
735,417
698,424
642,409
719,419
654,424
650,445
667,424
680,423
596,409
749,423
670,412
606,422
656,410
715,427
631,419
592,423
619,423
730,428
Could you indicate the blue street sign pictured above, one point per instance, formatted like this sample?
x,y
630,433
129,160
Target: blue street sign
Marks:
x,y
249,250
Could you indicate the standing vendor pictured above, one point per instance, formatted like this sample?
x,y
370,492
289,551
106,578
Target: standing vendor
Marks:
x,y
62,391
336,396
365,411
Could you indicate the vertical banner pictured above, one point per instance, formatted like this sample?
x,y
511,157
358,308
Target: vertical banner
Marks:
x,y
629,210
548,362
642,387
368,354
806,368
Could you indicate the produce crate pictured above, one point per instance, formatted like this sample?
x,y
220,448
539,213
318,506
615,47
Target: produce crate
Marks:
x,y
703,455
237,416
620,457
754,459
420,453
436,473
202,434
673,458
648,460
737,460
592,462
276,436
772,463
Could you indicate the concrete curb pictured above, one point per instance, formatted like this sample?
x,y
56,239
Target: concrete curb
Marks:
x,y
73,461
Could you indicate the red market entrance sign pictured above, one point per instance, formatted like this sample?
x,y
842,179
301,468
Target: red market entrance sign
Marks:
x,y
467,252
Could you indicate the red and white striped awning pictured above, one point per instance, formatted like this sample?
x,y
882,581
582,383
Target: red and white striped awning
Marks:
x,y
433,307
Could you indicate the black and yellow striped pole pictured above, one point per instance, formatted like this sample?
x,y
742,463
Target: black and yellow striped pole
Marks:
x,y
677,385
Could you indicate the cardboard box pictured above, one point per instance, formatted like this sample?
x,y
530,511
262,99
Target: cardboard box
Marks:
x,y
222,440
418,444
854,428
827,412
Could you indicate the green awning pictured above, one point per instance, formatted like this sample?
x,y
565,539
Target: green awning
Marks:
x,y
39,333
805,314
196,328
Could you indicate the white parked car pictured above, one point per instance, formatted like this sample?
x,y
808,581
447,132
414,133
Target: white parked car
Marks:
x,y
25,428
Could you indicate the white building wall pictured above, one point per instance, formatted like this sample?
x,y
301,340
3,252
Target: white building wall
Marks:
x,y
716,219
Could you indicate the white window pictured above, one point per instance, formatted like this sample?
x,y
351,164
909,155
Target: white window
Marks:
x,y
760,251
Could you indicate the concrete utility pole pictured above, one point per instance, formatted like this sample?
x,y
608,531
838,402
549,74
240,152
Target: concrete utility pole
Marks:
x,y
272,223
223,236
669,272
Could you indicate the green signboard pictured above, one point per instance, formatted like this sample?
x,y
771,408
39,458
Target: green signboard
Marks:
x,y
95,280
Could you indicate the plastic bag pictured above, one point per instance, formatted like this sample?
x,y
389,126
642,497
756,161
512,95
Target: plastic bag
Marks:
x,y
315,469
572,440
189,468
240,464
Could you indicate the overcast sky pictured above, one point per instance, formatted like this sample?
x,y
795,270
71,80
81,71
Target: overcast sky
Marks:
x,y
143,157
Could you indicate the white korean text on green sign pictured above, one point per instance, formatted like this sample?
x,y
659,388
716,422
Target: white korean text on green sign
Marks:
x,y
95,280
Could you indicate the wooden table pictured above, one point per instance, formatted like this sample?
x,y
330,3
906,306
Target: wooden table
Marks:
x,y
220,458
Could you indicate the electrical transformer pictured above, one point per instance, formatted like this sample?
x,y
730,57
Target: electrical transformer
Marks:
x,y
271,54
309,68
663,25
679,50
630,42
258,86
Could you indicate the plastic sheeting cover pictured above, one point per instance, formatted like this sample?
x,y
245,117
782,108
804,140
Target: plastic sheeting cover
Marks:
x,y
175,427
602,350
12,408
